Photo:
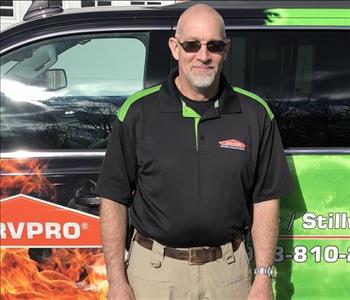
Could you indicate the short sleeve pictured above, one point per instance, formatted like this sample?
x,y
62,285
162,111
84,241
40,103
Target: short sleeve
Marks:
x,y
118,173
272,177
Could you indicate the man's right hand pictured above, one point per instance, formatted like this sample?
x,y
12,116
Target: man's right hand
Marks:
x,y
120,292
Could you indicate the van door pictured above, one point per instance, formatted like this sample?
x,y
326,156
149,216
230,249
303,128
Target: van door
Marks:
x,y
59,98
304,75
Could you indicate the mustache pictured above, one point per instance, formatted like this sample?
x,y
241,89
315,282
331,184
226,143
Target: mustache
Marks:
x,y
203,66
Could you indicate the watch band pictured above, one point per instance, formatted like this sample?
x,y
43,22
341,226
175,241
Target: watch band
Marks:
x,y
269,271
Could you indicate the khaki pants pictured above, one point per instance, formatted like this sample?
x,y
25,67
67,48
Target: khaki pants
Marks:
x,y
154,276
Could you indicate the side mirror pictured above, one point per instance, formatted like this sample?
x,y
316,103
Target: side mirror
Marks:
x,y
55,79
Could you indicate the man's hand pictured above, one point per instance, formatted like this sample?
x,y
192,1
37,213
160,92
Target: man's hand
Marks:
x,y
261,288
120,292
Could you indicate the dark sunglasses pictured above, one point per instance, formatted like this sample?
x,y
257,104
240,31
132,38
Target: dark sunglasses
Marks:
x,y
194,46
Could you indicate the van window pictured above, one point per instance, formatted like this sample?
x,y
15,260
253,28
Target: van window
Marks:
x,y
304,75
64,93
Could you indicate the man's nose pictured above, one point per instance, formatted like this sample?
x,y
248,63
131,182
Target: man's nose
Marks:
x,y
203,53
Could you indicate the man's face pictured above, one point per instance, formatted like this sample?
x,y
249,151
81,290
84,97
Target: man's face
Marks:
x,y
199,69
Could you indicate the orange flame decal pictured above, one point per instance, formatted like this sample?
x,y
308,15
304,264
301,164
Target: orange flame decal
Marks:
x,y
25,176
68,274
73,274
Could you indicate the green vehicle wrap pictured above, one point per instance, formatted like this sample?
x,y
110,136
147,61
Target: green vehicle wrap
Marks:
x,y
313,251
307,17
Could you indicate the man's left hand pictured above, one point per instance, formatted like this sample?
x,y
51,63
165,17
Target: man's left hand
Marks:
x,y
261,288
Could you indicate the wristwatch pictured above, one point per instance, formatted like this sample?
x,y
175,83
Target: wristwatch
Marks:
x,y
270,271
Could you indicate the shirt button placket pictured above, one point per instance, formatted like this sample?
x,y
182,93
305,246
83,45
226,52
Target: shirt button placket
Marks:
x,y
201,139
202,142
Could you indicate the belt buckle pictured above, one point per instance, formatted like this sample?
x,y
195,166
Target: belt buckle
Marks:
x,y
193,257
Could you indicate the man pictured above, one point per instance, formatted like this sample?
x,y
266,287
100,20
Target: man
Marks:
x,y
198,162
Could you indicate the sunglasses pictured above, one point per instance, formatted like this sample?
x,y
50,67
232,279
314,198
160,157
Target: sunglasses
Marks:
x,y
194,46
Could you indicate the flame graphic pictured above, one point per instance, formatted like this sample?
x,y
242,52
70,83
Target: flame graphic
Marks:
x,y
25,176
68,274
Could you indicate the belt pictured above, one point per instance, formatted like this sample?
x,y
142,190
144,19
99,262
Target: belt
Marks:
x,y
194,256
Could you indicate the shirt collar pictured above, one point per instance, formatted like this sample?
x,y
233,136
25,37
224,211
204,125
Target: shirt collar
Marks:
x,y
169,100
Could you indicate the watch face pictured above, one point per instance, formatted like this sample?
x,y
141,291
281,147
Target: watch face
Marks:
x,y
273,272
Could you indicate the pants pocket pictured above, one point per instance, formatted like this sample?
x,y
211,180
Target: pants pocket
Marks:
x,y
150,290
146,281
236,290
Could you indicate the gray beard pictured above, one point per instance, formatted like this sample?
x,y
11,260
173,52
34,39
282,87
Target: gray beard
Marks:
x,y
201,81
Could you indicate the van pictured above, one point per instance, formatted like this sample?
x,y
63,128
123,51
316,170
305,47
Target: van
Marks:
x,y
64,75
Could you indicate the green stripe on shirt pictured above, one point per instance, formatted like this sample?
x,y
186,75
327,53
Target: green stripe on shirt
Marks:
x,y
134,97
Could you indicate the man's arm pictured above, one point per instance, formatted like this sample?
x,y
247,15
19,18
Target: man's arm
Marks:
x,y
264,236
113,220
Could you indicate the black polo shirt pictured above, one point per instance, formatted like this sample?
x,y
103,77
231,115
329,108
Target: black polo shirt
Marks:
x,y
190,180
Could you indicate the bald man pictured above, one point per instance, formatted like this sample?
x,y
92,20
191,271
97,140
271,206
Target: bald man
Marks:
x,y
199,163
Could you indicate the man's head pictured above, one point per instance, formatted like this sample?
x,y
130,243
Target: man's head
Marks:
x,y
200,63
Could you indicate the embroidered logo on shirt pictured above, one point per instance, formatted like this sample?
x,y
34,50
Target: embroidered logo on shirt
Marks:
x,y
233,144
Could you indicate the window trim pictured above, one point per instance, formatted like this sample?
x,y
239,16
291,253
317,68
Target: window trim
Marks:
x,y
101,153
150,28
163,27
78,32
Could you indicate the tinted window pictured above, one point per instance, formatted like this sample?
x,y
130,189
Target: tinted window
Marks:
x,y
304,76
54,2
6,9
64,93
6,12
86,3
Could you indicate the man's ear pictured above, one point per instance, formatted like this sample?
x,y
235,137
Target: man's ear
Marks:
x,y
174,47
